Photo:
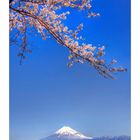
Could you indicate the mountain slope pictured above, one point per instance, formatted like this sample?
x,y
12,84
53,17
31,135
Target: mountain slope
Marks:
x,y
67,133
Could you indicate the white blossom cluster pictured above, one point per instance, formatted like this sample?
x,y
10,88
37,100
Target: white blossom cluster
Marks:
x,y
43,16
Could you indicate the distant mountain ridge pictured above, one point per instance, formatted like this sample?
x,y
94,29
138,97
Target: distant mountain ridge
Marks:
x,y
113,138
67,133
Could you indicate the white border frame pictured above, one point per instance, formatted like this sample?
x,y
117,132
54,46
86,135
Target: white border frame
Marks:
x,y
135,69
4,70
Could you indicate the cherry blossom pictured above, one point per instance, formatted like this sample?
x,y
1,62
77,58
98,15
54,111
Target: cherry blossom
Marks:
x,y
42,16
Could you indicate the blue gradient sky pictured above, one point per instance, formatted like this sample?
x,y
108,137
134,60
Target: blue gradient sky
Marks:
x,y
45,94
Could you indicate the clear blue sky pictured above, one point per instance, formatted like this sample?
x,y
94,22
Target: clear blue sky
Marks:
x,y
45,94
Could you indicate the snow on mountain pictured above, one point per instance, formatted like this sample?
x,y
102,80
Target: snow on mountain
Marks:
x,y
67,133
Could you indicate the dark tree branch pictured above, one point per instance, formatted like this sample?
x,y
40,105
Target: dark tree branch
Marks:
x,y
102,69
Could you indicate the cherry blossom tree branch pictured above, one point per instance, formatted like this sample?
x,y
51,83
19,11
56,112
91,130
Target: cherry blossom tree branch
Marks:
x,y
78,53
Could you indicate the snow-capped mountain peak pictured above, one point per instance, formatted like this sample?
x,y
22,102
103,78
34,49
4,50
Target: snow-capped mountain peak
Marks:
x,y
67,131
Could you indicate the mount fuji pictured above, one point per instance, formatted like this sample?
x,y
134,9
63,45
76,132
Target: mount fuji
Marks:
x,y
67,133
